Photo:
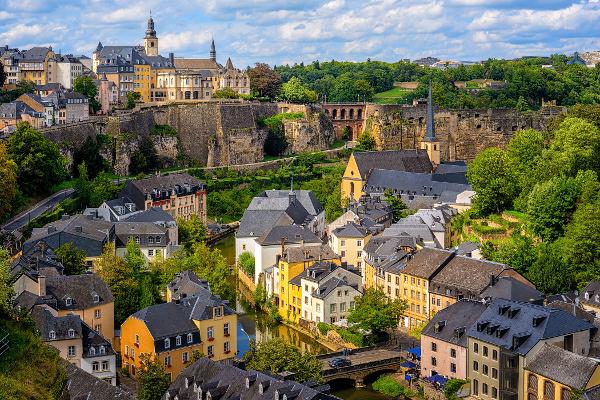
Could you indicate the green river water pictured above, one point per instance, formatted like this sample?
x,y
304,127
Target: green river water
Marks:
x,y
251,326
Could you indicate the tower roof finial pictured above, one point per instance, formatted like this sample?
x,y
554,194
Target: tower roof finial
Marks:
x,y
430,129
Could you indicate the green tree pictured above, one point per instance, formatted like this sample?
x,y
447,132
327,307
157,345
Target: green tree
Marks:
x,y
493,179
225,93
522,105
398,206
72,259
25,86
390,387
575,146
452,387
375,312
8,180
295,91
2,74
191,232
277,356
6,287
551,205
517,251
548,272
132,99
89,153
145,158
39,162
86,86
524,151
153,381
365,142
246,261
264,81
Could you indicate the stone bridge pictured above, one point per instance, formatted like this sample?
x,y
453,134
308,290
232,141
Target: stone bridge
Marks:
x,y
349,116
367,364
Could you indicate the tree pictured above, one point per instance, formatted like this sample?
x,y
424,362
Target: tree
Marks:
x,y
86,86
153,381
493,181
277,356
398,206
72,259
8,181
145,158
2,74
452,387
246,261
517,251
264,80
375,312
191,232
366,142
89,153
522,105
549,273
132,99
390,387
39,162
6,287
295,91
225,93
575,146
25,86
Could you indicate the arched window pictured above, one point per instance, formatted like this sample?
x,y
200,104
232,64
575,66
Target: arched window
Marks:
x,y
343,114
167,343
92,351
351,114
102,350
548,390
334,115
190,338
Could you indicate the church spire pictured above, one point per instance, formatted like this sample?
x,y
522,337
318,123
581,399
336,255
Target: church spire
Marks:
x,y
430,130
150,31
213,51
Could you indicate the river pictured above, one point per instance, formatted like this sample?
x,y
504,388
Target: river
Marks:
x,y
251,326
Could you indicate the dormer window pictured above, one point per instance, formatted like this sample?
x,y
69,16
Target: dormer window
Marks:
x,y
69,301
437,328
217,312
102,350
178,341
190,338
92,351
52,335
96,298
587,295
167,343
71,333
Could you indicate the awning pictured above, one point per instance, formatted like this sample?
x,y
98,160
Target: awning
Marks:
x,y
408,364
416,351
438,379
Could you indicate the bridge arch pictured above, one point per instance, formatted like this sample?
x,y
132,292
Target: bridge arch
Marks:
x,y
373,376
341,383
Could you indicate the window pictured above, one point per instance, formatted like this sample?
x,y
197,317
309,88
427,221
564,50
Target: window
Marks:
x,y
151,240
475,366
185,356
133,354
433,361
475,387
97,314
71,351
137,240
102,350
453,367
453,353
433,346
342,307
342,242
210,350
318,307
359,253
548,390
209,333
485,351
98,328
137,339
126,351
494,373
226,329
494,355
343,253
484,388
167,343
52,335
226,347
69,301
95,366
475,348
339,293
96,298
92,351
494,393
333,308
565,394
190,338
352,305
150,252
167,361
484,369
359,243
178,341
105,365
71,333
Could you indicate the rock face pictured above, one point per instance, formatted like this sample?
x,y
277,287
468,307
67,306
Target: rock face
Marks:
x,y
462,133
314,132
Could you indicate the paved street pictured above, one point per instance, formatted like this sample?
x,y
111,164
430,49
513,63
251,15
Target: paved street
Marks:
x,y
365,357
48,203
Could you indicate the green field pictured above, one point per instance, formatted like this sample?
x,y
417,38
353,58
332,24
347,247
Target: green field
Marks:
x,y
392,96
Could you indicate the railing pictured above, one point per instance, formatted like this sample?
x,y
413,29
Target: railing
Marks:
x,y
4,342
364,366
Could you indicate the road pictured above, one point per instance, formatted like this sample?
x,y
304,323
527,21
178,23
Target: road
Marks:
x,y
364,357
21,220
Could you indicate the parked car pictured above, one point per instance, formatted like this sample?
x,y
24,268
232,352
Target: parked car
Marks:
x,y
340,362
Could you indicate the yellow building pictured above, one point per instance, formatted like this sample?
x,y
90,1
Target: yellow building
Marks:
x,y
172,332
556,374
33,66
349,242
293,262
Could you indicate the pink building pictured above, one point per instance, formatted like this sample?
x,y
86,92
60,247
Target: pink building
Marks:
x,y
444,340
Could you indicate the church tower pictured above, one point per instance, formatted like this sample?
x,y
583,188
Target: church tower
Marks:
x,y
430,143
150,40
213,51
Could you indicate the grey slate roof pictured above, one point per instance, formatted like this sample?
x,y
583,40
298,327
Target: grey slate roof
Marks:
x,y
46,323
427,262
161,186
84,386
451,324
187,284
466,248
415,183
125,230
225,381
35,54
291,234
80,288
154,214
396,160
509,288
380,248
590,295
309,253
516,320
326,288
38,260
306,197
395,263
592,393
351,230
560,365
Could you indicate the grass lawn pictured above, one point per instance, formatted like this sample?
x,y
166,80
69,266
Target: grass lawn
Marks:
x,y
393,96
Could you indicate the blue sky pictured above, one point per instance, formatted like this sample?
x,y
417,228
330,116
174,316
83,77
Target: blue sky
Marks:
x,y
288,31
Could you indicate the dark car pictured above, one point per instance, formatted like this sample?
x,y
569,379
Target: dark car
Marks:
x,y
340,362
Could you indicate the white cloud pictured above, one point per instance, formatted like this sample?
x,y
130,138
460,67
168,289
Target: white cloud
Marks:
x,y
184,40
5,15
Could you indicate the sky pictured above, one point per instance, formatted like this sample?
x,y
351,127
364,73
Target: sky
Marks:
x,y
292,31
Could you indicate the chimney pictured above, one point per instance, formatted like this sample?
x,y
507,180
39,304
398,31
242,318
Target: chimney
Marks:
x,y
492,280
41,285
172,58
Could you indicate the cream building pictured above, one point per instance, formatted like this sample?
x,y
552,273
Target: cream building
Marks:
x,y
349,241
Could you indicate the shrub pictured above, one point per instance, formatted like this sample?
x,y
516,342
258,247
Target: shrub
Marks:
x,y
391,387
163,130
349,336
323,328
247,262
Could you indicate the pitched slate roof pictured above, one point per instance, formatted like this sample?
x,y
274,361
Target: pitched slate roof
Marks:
x,y
466,248
154,214
507,287
395,263
592,393
187,284
36,54
309,253
523,325
142,230
84,386
351,230
451,324
425,263
291,234
396,160
380,248
306,197
414,183
560,365
225,381
326,288
590,295
80,288
46,323
196,63
154,186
